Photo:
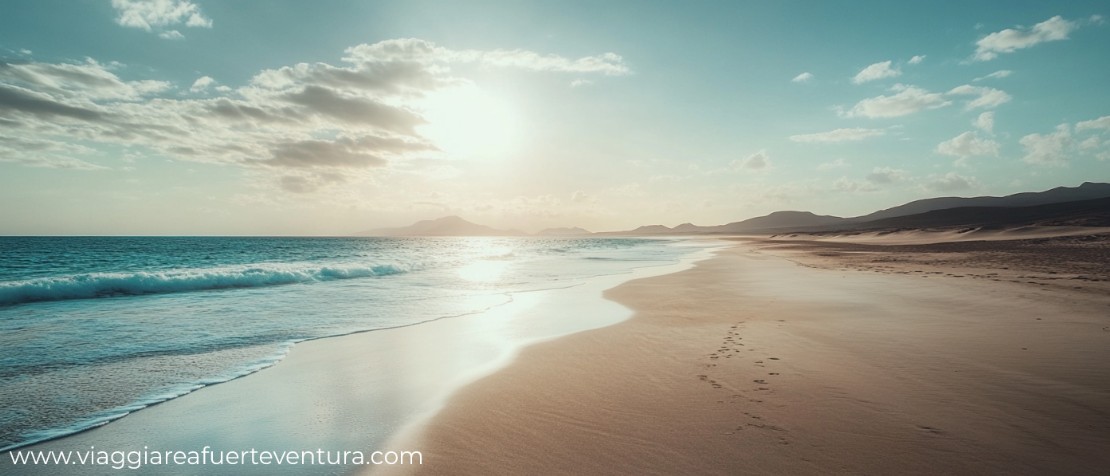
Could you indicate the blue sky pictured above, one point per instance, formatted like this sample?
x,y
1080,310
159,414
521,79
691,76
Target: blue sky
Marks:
x,y
250,117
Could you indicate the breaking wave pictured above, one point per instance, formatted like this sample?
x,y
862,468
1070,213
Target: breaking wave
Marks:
x,y
97,285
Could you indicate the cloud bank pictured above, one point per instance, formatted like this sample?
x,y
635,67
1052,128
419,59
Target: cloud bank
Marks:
x,y
308,125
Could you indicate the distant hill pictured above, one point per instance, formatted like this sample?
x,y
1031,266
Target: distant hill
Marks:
x,y
767,223
446,226
564,232
1094,212
687,228
652,230
1085,191
781,220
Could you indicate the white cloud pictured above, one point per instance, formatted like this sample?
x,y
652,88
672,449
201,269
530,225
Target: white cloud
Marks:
x,y
803,78
1090,143
968,144
887,175
1094,124
952,182
1048,149
910,99
1002,73
988,97
985,122
876,71
844,184
577,83
1096,20
907,100
835,164
1096,146
838,135
1013,39
1057,147
609,64
581,197
757,161
88,81
44,153
422,51
308,182
150,15
202,83
917,59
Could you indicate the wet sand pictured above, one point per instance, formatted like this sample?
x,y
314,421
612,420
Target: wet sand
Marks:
x,y
776,359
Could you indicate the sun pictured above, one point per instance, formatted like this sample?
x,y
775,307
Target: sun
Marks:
x,y
466,122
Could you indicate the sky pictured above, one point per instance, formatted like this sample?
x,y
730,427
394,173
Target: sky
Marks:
x,y
194,117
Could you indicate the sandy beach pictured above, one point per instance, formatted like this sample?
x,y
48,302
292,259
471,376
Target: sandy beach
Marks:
x,y
390,237
789,359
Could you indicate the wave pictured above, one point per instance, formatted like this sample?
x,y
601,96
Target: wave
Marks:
x,y
97,285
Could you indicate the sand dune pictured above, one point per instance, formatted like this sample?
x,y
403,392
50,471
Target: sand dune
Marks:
x,y
909,236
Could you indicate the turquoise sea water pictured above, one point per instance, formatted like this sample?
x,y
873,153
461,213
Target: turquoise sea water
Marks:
x,y
93,328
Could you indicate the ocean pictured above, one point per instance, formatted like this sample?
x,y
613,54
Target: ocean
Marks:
x,y
94,328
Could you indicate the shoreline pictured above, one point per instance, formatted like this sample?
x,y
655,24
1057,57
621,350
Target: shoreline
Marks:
x,y
748,362
327,394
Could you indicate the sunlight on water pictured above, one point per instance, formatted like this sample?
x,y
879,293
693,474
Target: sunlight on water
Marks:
x,y
483,271
491,259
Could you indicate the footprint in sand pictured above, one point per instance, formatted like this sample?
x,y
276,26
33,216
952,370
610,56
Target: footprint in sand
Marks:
x,y
930,429
760,381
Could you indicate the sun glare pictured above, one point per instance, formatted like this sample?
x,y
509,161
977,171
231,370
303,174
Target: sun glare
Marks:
x,y
467,122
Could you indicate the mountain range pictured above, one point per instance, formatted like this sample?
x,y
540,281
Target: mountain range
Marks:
x,y
446,226
1085,205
